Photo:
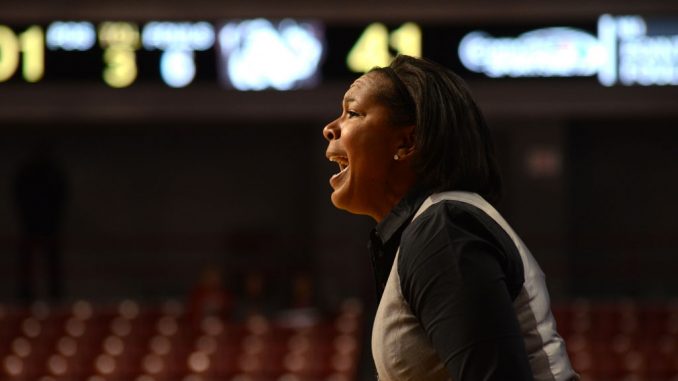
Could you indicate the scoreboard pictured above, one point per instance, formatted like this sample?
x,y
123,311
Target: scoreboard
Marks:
x,y
289,54
243,54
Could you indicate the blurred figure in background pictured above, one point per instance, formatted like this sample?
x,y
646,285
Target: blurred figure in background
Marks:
x,y
302,291
254,299
40,195
301,310
209,297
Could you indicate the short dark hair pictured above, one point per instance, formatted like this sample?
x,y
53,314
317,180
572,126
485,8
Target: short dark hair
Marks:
x,y
454,145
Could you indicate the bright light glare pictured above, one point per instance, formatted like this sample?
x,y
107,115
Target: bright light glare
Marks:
x,y
177,67
607,34
178,40
256,54
71,35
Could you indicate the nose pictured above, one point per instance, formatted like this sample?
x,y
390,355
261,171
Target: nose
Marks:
x,y
332,131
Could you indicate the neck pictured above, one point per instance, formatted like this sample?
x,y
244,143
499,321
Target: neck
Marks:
x,y
393,195
388,203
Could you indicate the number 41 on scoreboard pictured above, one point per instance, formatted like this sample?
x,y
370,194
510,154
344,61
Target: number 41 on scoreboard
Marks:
x,y
372,47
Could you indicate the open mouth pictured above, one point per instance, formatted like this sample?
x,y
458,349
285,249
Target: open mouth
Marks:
x,y
342,161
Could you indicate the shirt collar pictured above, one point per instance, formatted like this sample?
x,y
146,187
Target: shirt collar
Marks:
x,y
400,215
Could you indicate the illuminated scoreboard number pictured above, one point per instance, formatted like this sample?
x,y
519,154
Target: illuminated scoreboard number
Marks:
x,y
178,42
372,47
171,46
27,47
119,40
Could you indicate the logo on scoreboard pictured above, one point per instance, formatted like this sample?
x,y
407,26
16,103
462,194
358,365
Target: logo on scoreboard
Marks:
x,y
623,51
259,54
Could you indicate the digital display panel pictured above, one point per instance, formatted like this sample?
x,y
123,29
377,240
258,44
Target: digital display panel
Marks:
x,y
289,54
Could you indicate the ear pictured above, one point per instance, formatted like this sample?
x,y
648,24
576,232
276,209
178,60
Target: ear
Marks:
x,y
406,146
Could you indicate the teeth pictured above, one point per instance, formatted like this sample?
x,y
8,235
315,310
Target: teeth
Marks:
x,y
341,161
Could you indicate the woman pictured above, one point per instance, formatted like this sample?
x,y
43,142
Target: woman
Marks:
x,y
461,296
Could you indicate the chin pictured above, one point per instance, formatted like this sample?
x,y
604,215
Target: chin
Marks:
x,y
342,202
338,201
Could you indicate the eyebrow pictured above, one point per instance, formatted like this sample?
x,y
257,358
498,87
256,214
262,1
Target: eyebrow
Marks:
x,y
349,100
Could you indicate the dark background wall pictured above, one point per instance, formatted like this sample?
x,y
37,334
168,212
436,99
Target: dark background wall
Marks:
x,y
150,206
623,218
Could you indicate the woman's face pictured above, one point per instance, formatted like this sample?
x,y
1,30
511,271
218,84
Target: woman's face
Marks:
x,y
363,143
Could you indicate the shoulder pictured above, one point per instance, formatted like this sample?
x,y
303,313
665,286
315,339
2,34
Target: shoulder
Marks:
x,y
451,235
457,221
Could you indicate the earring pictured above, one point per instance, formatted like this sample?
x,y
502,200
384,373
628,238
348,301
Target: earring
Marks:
x,y
396,157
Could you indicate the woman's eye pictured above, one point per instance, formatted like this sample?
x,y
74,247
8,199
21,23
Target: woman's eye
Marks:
x,y
351,114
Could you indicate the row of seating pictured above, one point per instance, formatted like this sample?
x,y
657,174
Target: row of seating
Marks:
x,y
621,341
609,319
129,341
